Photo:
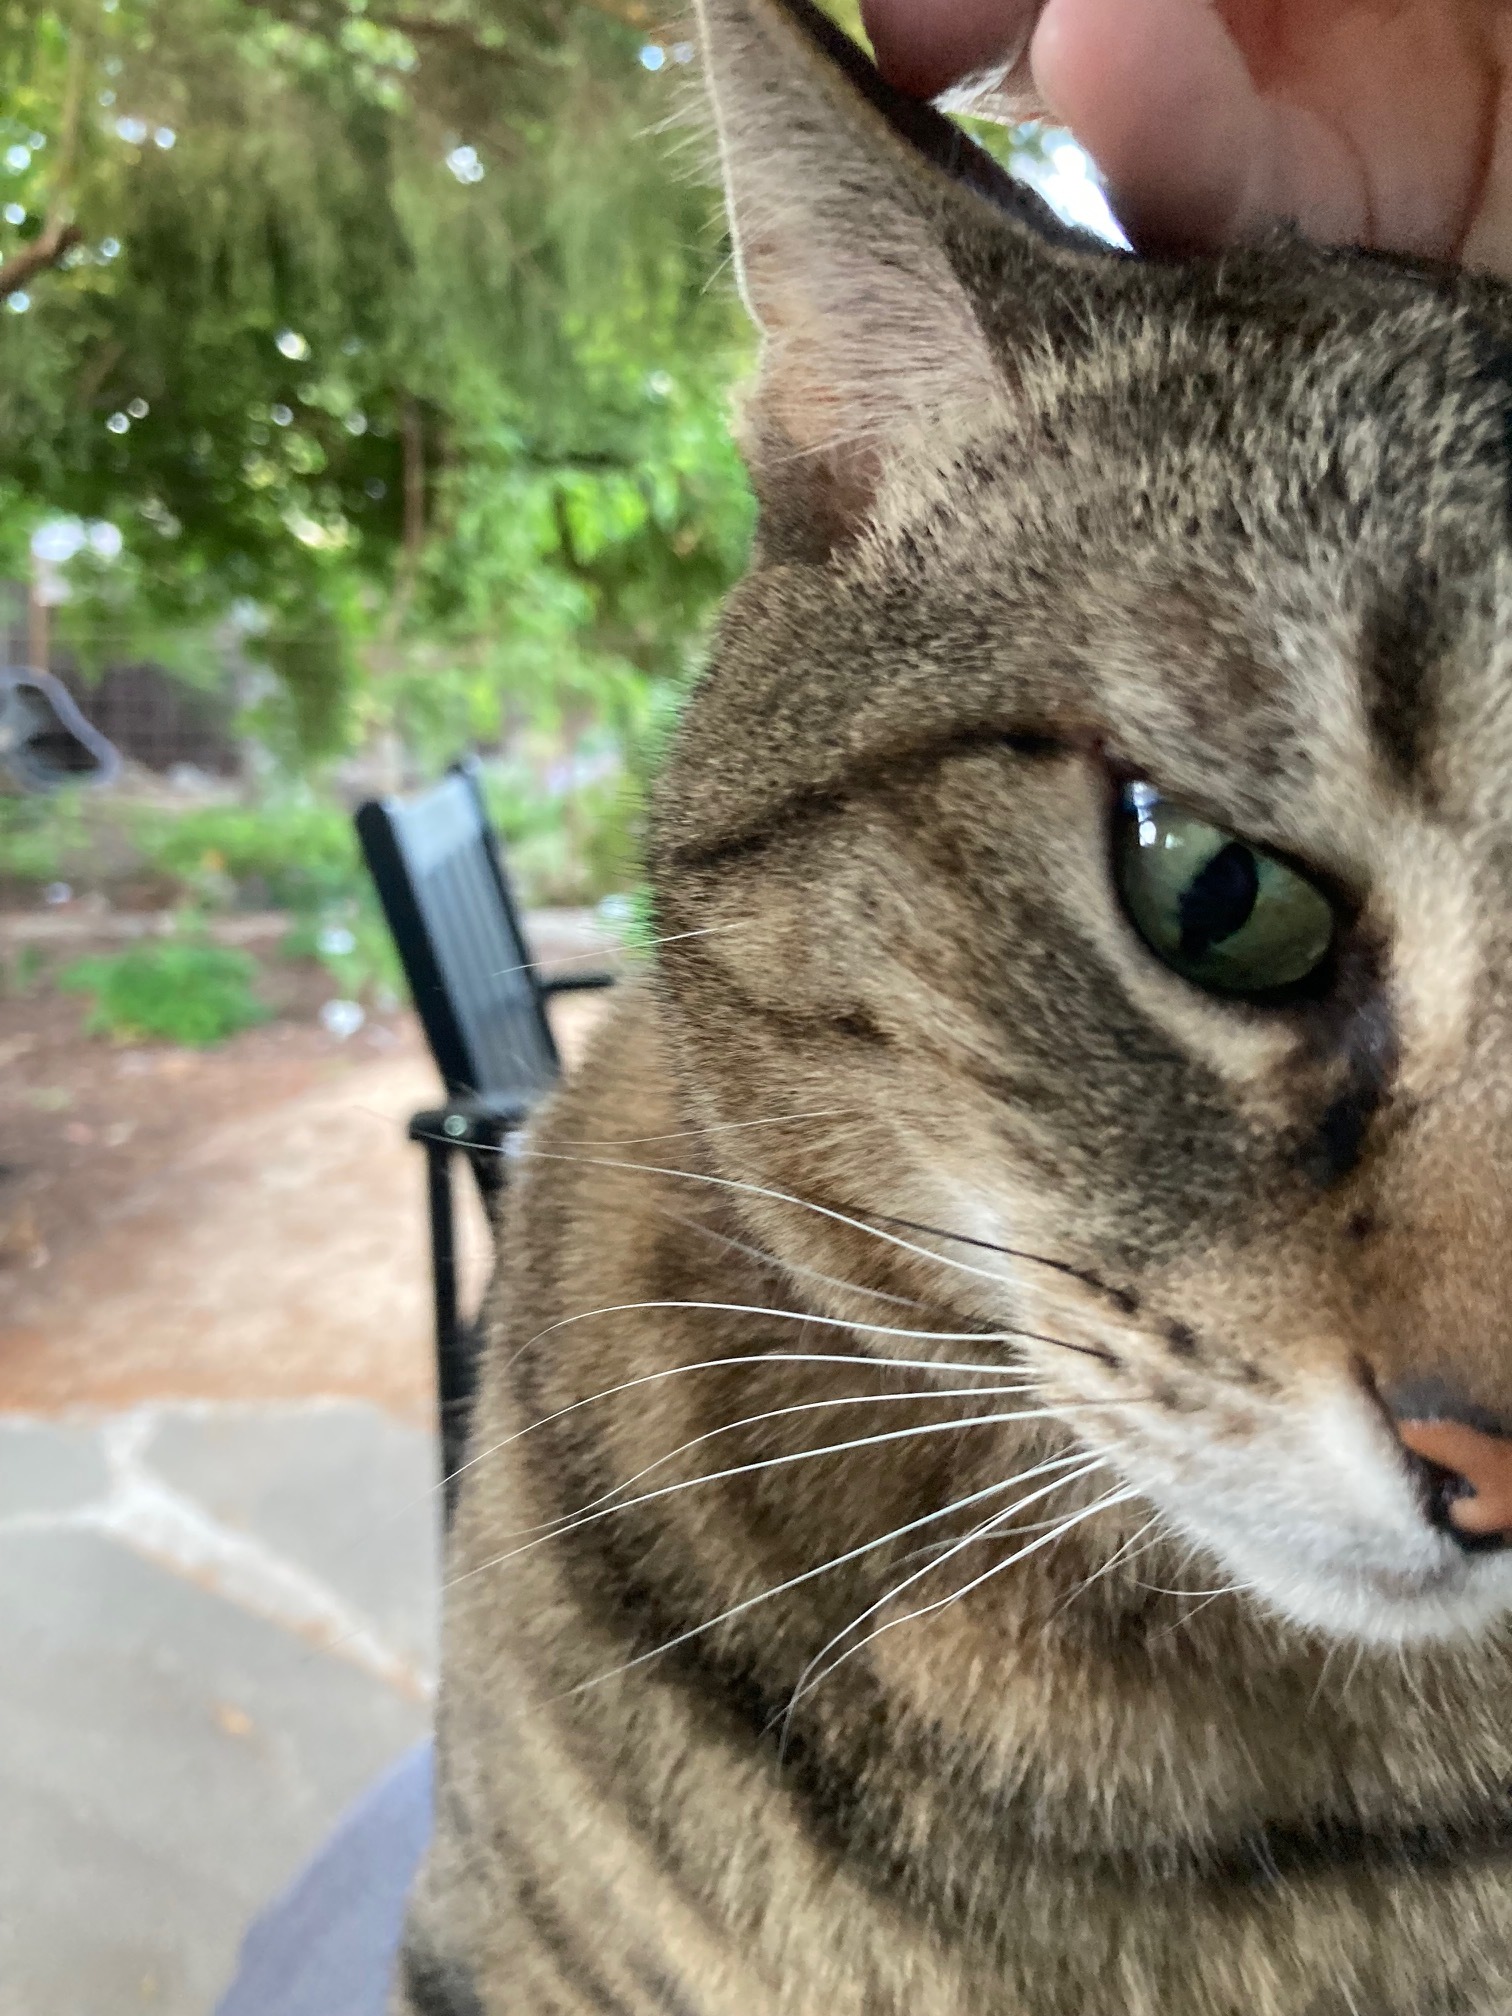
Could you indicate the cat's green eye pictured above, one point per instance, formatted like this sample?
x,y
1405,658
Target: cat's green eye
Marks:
x,y
1224,914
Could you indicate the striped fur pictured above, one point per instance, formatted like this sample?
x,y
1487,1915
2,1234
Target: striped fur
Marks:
x,y
1209,1720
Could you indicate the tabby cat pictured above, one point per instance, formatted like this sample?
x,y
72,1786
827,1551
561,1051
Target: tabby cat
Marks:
x,y
989,1485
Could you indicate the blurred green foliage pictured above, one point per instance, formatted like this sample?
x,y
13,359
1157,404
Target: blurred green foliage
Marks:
x,y
397,344
41,839
290,852
177,990
350,941
394,335
569,839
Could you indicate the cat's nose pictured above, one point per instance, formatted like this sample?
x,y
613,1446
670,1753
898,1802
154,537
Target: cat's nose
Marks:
x,y
1464,1463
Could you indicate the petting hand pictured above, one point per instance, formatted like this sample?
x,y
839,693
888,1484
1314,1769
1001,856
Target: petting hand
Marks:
x,y
1385,123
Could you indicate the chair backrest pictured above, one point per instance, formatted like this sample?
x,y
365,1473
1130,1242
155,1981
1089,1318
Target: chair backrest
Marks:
x,y
436,863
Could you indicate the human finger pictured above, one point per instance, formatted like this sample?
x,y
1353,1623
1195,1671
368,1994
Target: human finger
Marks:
x,y
1194,154
923,46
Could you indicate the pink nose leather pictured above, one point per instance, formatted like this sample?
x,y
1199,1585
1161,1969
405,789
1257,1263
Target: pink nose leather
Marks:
x,y
1485,1463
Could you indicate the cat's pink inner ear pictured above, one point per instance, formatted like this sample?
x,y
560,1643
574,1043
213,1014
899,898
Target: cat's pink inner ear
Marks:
x,y
868,334
796,397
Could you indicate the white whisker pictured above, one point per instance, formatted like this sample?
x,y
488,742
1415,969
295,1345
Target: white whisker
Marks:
x,y
716,1127
572,1522
788,1316
772,1414
943,1603
946,1365
1209,1597
824,1568
1156,1589
996,1276
978,1533
609,951
1128,1551
775,1266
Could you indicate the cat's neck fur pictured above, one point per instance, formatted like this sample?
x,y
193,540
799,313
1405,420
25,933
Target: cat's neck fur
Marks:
x,y
1069,1770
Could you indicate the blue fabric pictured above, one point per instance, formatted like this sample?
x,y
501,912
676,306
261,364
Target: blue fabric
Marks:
x,y
326,1947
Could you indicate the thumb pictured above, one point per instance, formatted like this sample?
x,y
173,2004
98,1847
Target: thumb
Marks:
x,y
1159,94
923,46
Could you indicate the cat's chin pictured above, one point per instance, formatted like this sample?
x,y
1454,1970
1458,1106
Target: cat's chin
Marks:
x,y
1459,1598
1430,1592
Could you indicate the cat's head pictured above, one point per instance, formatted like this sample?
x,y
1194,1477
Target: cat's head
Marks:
x,y
1097,820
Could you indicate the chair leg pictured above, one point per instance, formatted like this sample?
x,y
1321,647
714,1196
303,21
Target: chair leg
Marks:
x,y
454,1367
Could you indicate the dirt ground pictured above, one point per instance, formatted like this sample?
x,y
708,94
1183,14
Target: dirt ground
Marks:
x,y
246,1222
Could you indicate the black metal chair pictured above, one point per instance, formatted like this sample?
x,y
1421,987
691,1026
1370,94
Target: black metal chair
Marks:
x,y
440,877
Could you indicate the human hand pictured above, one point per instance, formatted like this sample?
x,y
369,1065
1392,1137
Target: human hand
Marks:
x,y
1385,123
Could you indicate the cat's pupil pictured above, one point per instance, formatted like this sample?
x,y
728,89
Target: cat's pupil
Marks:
x,y
1219,910
1219,900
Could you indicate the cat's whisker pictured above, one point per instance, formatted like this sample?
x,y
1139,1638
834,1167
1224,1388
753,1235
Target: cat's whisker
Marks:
x,y
1120,1296
775,1266
1201,1599
790,1316
1210,1597
599,955
1104,1504
1157,1589
1355,1664
575,1521
978,1533
954,1368
751,1358
947,1367
774,1414
1331,1652
938,1548
1410,1679
1130,1551
698,1133
837,1217
824,1568
916,1395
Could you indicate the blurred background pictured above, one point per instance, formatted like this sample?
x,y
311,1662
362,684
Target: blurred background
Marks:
x,y
366,374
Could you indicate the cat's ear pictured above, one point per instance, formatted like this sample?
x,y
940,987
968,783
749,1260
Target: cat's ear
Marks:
x,y
857,216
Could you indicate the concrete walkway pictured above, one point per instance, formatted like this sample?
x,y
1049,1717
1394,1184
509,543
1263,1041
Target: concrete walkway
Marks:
x,y
219,1627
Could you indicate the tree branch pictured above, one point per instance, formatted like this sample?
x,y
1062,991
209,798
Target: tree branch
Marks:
x,y
412,437
44,251
59,234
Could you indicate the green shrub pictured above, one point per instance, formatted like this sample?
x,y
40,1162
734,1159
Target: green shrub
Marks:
x,y
290,853
178,990
353,944
566,846
41,839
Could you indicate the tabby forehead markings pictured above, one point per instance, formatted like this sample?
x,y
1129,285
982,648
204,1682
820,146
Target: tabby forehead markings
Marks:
x,y
1408,631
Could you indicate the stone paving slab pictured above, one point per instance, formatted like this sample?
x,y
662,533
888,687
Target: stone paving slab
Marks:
x,y
186,1703
47,1468
344,1491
